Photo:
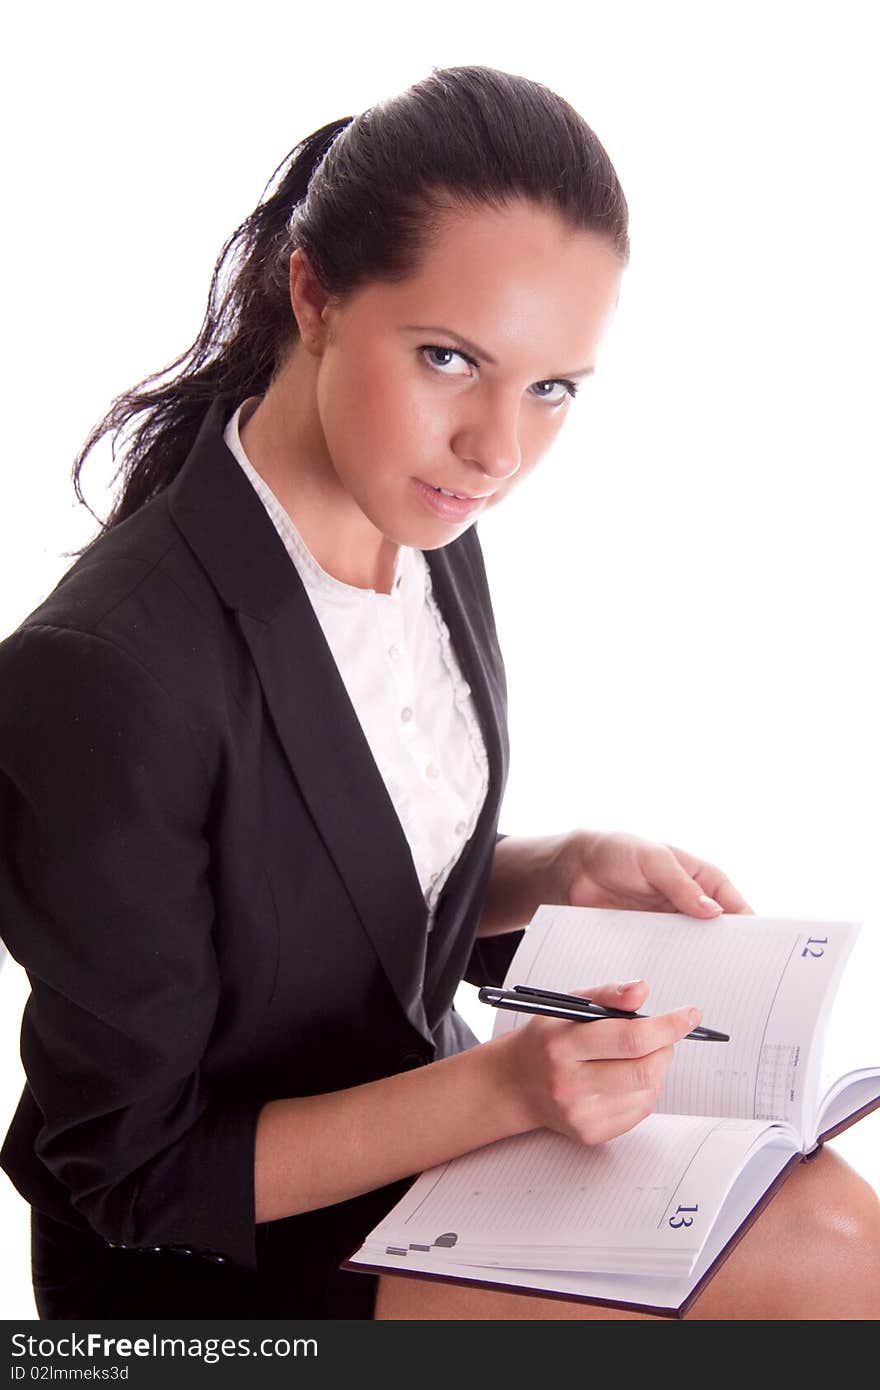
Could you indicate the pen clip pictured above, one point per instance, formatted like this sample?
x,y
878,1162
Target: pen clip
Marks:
x,y
572,1000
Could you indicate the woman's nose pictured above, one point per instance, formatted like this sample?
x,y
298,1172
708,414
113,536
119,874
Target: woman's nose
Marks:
x,y
491,441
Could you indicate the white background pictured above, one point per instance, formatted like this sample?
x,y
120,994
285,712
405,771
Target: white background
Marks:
x,y
686,589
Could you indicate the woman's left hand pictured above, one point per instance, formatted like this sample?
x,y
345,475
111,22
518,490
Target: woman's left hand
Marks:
x,y
624,871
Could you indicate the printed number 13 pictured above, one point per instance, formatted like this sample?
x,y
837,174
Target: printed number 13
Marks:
x,y
819,941
678,1220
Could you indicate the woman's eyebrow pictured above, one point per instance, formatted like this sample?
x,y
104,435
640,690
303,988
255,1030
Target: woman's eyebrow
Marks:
x,y
476,351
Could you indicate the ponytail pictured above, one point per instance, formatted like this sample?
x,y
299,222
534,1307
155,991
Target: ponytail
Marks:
x,y
237,349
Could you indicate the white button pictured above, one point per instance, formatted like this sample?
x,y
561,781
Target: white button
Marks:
x,y
394,651
433,771
406,714
460,828
434,878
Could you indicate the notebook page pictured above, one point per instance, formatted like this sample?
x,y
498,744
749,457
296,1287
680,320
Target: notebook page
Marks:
x,y
646,1200
664,1291
765,981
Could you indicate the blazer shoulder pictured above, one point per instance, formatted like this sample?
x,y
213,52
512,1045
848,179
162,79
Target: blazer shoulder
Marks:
x,y
140,591
143,563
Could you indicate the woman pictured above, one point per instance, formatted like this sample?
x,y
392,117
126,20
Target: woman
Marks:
x,y
253,750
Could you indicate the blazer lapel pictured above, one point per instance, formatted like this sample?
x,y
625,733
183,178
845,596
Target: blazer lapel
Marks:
x,y
337,774
460,588
459,582
225,523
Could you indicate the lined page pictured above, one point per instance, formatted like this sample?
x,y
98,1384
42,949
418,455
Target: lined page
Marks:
x,y
635,1285
650,1195
625,1185
765,981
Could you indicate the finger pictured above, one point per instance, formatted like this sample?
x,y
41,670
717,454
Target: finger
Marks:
x,y
621,1038
629,995
665,872
720,888
616,1080
713,884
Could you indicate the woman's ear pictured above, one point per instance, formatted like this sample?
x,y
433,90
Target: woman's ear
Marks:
x,y
308,300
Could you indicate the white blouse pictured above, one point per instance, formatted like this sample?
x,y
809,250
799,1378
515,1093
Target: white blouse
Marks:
x,y
396,660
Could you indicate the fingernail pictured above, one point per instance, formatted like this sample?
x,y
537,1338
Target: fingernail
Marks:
x,y
621,989
710,902
694,1016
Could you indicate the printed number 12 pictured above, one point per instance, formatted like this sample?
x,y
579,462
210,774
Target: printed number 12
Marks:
x,y
819,941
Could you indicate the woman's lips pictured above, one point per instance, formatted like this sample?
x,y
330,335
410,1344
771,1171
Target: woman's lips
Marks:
x,y
441,504
449,508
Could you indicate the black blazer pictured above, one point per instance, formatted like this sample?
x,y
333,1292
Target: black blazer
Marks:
x,y
204,876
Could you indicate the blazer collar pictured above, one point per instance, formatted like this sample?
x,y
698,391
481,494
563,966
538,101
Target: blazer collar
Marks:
x,y
226,525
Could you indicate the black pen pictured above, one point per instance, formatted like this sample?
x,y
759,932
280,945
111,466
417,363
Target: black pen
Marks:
x,y
528,1000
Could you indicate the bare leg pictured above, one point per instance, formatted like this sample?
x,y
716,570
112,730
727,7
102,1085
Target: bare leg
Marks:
x,y
813,1253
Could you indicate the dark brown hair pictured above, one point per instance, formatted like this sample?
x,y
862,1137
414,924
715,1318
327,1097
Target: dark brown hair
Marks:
x,y
362,196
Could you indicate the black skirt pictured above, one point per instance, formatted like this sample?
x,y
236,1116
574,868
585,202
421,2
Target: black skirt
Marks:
x,y
78,1275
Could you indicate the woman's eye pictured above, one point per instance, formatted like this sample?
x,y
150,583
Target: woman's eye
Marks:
x,y
435,352
562,389
441,357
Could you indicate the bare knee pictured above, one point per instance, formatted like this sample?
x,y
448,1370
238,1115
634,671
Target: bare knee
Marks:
x,y
840,1214
813,1253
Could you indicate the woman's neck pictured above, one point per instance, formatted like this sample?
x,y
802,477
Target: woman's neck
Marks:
x,y
284,441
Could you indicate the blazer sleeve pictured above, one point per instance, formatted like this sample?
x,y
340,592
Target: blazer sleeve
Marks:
x,y
105,901
491,955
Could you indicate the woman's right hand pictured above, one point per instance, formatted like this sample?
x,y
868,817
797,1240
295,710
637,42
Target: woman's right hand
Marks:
x,y
593,1081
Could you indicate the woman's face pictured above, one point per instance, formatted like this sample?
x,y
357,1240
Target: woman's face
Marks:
x,y
456,378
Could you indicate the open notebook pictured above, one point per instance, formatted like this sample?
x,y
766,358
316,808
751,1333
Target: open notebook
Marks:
x,y
644,1220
